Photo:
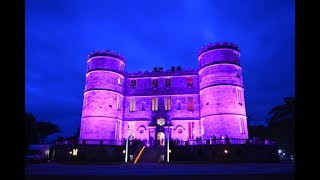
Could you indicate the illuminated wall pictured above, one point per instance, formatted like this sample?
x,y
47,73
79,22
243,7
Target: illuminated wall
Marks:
x,y
221,92
102,111
194,103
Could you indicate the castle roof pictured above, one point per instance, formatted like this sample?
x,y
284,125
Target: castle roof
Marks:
x,y
218,45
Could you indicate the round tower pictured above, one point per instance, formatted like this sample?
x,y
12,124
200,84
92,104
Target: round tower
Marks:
x,y
103,97
221,91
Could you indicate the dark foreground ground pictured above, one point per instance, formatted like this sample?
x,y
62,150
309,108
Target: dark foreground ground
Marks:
x,y
245,171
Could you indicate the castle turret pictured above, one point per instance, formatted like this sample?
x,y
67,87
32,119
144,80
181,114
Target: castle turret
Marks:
x,y
103,97
222,109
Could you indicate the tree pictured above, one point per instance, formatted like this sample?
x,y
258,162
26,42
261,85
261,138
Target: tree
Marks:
x,y
31,135
281,124
75,137
283,112
45,129
259,131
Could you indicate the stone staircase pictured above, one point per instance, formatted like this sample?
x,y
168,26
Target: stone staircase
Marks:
x,y
152,154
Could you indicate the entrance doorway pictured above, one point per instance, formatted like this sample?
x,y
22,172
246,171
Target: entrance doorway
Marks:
x,y
161,138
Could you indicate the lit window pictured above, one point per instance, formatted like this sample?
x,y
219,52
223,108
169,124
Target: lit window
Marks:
x,y
179,105
74,152
154,104
167,103
117,130
154,83
143,106
119,80
190,104
119,102
132,104
131,130
239,96
189,81
168,82
242,127
133,83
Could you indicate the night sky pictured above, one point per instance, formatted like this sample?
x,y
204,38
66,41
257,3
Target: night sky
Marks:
x,y
59,35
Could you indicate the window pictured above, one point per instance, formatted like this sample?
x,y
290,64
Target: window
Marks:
x,y
119,80
189,81
143,106
167,103
88,66
86,81
74,152
191,130
161,121
117,130
132,104
154,104
238,72
154,83
121,67
242,127
179,105
190,104
168,82
239,96
131,130
133,83
119,102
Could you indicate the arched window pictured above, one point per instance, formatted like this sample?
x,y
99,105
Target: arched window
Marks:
x,y
179,105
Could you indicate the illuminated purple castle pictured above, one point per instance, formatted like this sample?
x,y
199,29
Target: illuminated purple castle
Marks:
x,y
184,104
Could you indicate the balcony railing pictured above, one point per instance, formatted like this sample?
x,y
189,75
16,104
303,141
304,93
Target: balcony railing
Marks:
x,y
192,142
176,142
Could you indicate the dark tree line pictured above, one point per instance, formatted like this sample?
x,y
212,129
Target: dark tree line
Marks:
x,y
280,125
74,138
36,132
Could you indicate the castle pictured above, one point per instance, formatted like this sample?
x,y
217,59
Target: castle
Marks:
x,y
182,104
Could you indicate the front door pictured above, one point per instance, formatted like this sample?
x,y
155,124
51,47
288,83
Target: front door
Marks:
x,y
161,138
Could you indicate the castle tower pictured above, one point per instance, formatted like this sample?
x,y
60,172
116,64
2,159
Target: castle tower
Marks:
x,y
222,105
103,97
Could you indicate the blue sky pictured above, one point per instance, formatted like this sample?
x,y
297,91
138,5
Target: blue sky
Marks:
x,y
59,35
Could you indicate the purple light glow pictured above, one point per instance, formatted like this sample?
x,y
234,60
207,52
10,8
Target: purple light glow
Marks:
x,y
194,103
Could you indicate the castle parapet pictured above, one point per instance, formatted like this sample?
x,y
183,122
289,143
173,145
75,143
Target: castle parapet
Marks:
x,y
158,71
218,45
106,53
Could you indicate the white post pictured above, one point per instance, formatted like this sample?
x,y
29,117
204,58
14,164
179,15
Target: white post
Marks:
x,y
168,144
126,155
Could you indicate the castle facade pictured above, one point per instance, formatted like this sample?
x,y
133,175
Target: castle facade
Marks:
x,y
182,104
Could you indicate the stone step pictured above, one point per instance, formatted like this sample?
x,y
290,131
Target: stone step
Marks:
x,y
151,154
